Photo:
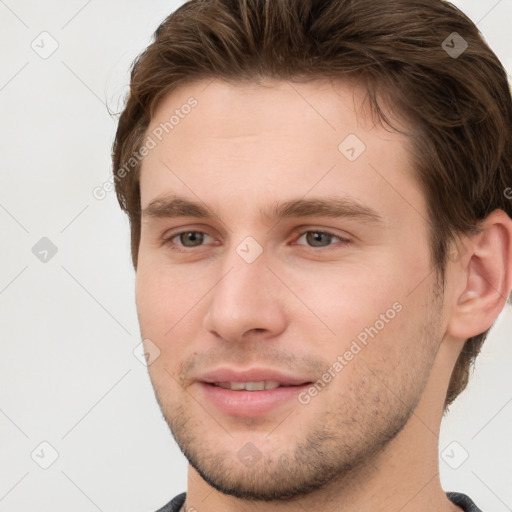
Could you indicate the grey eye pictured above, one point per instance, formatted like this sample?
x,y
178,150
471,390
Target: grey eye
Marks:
x,y
191,238
318,238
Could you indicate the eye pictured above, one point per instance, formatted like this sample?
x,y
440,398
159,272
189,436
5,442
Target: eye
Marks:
x,y
312,238
318,238
189,239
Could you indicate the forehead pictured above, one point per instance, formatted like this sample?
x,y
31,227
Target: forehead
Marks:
x,y
274,140
247,108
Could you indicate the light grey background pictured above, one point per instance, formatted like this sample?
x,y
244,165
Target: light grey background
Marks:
x,y
68,374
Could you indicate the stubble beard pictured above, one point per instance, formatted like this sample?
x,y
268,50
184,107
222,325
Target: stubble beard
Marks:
x,y
340,448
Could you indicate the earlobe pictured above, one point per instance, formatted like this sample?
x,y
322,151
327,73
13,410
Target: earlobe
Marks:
x,y
487,276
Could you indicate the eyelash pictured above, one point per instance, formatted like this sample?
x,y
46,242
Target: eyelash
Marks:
x,y
299,234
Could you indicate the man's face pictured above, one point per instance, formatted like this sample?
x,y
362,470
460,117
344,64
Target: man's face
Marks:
x,y
273,280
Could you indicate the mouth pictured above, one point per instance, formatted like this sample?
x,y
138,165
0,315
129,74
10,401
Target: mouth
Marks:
x,y
251,399
251,392
253,386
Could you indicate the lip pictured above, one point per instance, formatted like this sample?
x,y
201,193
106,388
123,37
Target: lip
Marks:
x,y
250,404
251,375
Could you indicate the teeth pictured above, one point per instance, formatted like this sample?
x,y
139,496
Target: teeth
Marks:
x,y
249,386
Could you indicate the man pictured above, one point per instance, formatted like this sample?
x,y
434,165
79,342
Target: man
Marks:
x,y
322,239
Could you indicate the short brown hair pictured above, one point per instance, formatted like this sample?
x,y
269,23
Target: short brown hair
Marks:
x,y
458,107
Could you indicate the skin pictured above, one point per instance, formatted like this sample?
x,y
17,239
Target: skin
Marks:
x,y
369,440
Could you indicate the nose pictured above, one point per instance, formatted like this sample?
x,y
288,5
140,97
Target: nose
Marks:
x,y
247,301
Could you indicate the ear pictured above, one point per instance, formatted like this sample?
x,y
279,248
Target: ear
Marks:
x,y
485,272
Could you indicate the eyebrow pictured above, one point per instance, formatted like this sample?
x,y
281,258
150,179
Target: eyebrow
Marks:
x,y
334,207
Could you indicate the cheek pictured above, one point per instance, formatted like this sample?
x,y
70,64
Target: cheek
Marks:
x,y
160,301
170,304
348,303
159,309
369,327
163,308
148,298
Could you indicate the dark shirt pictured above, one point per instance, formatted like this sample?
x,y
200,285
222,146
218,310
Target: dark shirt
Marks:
x,y
461,500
